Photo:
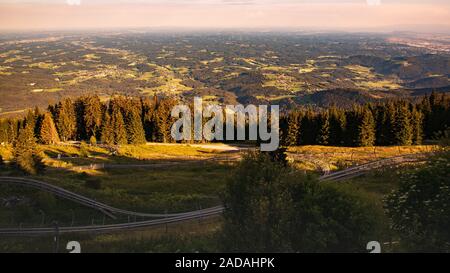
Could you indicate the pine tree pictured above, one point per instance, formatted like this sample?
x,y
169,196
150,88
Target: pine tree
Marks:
x,y
13,130
120,133
92,116
107,134
65,120
389,124
3,131
291,129
417,126
337,126
366,129
148,117
323,136
163,121
308,128
48,133
135,130
26,155
402,127
30,121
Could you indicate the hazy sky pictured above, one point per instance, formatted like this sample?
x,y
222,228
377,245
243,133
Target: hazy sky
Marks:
x,y
310,14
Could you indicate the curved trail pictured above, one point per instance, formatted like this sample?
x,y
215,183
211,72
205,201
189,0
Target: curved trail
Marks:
x,y
82,200
166,218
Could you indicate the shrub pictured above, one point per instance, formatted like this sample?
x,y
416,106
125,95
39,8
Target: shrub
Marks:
x,y
272,208
93,141
420,208
84,152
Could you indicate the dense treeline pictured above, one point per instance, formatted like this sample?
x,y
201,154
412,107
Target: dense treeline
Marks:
x,y
121,120
124,120
395,122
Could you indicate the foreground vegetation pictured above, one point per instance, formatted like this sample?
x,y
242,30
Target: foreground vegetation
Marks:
x,y
287,209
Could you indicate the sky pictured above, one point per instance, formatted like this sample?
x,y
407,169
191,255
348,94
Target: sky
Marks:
x,y
346,15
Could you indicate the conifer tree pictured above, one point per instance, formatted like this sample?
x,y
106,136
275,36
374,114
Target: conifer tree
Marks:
x,y
107,134
92,116
135,130
66,121
48,133
120,133
308,127
323,136
417,126
366,129
148,117
26,155
402,128
3,131
337,126
292,129
12,130
163,121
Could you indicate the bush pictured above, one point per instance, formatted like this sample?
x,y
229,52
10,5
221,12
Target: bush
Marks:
x,y
84,152
420,208
93,141
271,208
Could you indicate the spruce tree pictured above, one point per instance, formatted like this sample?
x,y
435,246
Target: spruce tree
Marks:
x,y
66,121
417,126
323,136
403,132
120,133
308,128
135,130
291,129
366,129
3,131
148,117
26,154
48,133
163,121
92,116
337,126
107,134
12,130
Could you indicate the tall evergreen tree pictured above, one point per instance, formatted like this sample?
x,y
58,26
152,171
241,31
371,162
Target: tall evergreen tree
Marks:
x,y
48,133
308,128
26,154
120,132
92,116
291,129
163,121
323,136
403,132
366,129
66,120
135,130
417,126
3,131
13,130
107,134
148,117
337,126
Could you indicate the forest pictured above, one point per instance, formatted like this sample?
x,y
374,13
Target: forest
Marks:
x,y
129,120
